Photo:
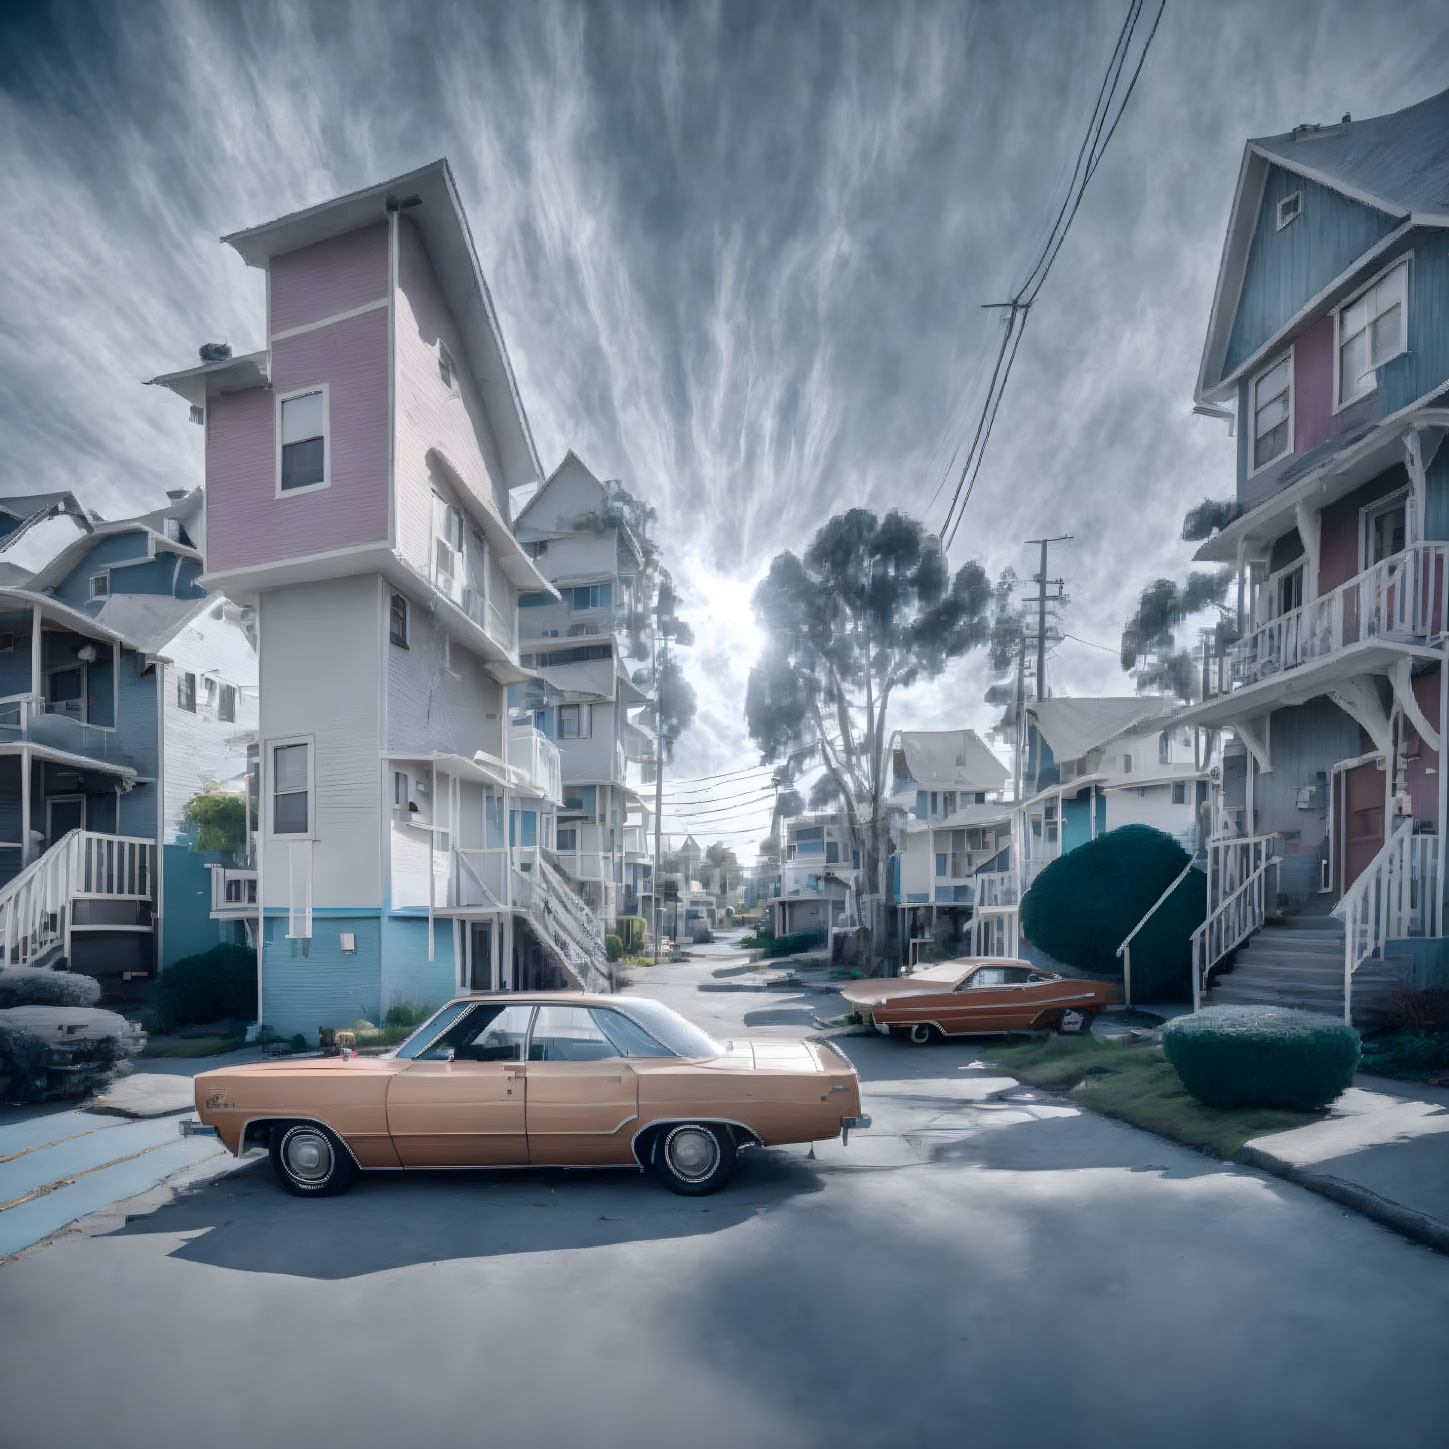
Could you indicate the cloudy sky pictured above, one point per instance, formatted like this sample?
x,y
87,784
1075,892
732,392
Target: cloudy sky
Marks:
x,y
739,251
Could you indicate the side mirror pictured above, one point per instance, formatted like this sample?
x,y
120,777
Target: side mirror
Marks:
x,y
450,1055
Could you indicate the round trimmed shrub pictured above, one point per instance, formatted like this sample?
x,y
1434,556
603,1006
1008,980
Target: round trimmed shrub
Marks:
x,y
28,986
1262,1056
218,985
1082,906
613,947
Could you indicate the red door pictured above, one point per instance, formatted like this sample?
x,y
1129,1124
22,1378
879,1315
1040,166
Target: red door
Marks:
x,y
1363,816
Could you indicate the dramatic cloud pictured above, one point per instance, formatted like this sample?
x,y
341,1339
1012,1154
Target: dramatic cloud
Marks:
x,y
739,251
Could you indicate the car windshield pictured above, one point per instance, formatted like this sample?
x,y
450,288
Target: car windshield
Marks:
x,y
667,1027
435,1024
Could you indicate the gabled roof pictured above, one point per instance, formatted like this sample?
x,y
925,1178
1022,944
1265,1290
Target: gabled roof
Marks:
x,y
571,463
1073,727
1398,164
151,524
955,759
149,622
428,197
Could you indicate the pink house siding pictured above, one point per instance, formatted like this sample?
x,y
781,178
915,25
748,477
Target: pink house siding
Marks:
x,y
1313,386
1423,777
328,277
247,524
1338,538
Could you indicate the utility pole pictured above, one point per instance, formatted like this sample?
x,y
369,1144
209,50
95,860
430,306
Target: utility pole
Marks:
x,y
658,777
1041,606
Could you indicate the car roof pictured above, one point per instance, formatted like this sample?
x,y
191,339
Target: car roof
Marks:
x,y
963,965
583,998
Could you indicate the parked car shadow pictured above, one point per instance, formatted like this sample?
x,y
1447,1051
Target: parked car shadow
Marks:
x,y
782,1016
244,1221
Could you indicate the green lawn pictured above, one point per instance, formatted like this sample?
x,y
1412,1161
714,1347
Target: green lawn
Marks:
x,y
1138,1085
192,1046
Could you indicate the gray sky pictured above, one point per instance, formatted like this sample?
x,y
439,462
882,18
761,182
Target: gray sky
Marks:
x,y
738,250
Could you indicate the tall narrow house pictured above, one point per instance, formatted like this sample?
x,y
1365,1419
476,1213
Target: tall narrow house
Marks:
x,y
358,469
1328,342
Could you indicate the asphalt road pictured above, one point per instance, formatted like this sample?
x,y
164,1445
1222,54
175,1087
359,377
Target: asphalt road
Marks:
x,y
985,1267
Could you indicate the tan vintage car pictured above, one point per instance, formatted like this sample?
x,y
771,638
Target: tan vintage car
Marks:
x,y
978,996
517,1079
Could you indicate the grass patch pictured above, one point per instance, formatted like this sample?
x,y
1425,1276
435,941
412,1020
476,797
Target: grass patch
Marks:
x,y
1137,1084
192,1046
384,1036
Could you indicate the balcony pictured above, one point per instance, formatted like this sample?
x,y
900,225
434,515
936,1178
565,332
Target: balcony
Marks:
x,y
1401,599
39,721
536,760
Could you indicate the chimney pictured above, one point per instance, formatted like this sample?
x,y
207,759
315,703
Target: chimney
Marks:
x,y
215,351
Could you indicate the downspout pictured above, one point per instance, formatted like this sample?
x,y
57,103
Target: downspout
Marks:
x,y
261,822
432,851
1443,783
160,879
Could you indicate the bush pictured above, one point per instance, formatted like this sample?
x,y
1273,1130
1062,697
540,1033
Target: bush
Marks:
x,y
28,986
1083,905
633,931
613,946
794,944
220,819
405,1013
218,985
1241,1056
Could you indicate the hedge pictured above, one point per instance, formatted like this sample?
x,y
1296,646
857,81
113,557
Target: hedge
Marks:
x,y
613,947
1268,1056
218,985
1083,905
632,931
29,986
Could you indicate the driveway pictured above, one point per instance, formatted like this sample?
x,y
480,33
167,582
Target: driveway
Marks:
x,y
986,1266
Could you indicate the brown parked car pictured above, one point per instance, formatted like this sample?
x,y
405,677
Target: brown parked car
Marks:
x,y
513,1079
979,996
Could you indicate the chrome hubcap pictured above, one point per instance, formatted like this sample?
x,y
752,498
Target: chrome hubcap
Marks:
x,y
692,1153
1072,1020
308,1155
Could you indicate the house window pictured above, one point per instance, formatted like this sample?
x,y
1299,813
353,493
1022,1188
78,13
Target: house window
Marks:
x,y
100,586
186,692
1273,413
447,369
590,596
948,803
1289,591
397,628
941,862
291,789
1385,528
1370,332
1164,748
302,441
226,704
400,789
575,721
568,837
1290,209
1179,792
448,566
1126,764
533,601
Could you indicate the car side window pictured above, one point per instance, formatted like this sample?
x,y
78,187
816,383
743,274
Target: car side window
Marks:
x,y
1033,978
984,976
629,1038
1015,975
488,1033
569,1034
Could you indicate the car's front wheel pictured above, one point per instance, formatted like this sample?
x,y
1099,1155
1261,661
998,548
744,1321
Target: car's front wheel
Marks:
x,y
694,1158
1074,1022
309,1160
923,1034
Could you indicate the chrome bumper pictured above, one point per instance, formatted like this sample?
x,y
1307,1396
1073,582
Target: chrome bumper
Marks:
x,y
849,1125
192,1128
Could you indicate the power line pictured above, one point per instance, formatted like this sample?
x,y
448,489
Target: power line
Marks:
x,y
708,795
1092,643
1018,309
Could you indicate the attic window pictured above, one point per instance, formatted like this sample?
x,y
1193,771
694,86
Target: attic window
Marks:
x,y
447,368
100,586
1289,209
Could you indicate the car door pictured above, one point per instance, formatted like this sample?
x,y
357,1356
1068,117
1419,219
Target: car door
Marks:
x,y
987,1000
583,1097
460,1102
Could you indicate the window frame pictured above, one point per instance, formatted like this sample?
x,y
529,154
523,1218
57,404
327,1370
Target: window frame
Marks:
x,y
1339,401
447,368
1254,467
290,396
1390,502
225,691
1297,210
399,638
584,721
286,742
104,580
186,690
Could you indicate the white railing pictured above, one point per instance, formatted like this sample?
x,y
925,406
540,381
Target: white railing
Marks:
x,y
1404,595
536,758
1237,902
1398,894
49,722
37,906
997,890
571,925
1125,949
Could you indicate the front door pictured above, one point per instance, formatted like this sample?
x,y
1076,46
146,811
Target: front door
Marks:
x,y
1363,818
461,1100
480,956
63,813
583,1097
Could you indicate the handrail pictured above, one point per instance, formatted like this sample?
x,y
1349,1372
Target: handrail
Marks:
x,y
1204,958
1125,949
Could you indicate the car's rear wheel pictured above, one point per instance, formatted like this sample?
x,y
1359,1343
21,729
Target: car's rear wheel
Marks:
x,y
310,1160
1075,1022
694,1158
923,1034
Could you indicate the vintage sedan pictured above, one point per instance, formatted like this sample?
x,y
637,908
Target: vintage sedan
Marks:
x,y
977,997
515,1079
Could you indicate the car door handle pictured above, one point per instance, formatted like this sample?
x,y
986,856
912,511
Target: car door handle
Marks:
x,y
516,1071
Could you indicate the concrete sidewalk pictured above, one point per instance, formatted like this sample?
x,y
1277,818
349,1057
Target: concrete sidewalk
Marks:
x,y
1382,1150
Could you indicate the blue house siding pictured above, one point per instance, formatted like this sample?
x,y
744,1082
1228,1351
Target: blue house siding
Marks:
x,y
1425,365
407,974
137,743
188,928
114,549
1077,820
1436,496
1286,268
310,984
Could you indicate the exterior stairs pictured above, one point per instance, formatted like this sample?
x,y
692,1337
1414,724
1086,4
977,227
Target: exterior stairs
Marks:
x,y
1300,964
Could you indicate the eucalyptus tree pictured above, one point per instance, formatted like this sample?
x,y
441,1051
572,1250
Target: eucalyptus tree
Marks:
x,y
869,608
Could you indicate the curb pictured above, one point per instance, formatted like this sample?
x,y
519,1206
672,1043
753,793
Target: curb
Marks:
x,y
1420,1227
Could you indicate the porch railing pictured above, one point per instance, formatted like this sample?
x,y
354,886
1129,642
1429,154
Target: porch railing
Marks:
x,y
1237,902
1404,595
37,906
1398,894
